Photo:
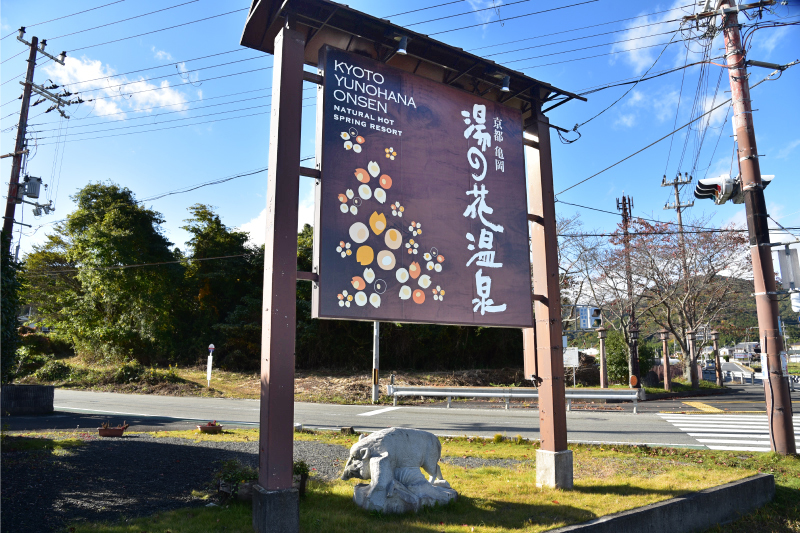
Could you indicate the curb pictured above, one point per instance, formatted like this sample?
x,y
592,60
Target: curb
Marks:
x,y
696,511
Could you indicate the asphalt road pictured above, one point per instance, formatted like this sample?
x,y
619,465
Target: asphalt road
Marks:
x,y
658,423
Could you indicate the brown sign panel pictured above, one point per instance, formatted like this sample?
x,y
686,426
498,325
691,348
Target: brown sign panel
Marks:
x,y
422,201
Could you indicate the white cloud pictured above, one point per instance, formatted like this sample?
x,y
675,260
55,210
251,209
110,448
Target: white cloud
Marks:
x,y
191,77
767,41
257,227
788,149
482,13
115,94
639,50
718,115
161,54
626,121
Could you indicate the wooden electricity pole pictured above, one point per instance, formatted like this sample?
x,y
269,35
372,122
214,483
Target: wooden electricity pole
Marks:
x,y
776,386
625,206
16,165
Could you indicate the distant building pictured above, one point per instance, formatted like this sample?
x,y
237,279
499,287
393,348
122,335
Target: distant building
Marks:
x,y
726,350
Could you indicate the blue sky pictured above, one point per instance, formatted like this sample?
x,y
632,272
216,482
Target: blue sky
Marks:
x,y
220,127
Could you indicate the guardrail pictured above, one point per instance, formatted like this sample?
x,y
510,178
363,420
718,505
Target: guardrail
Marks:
x,y
793,380
742,375
507,393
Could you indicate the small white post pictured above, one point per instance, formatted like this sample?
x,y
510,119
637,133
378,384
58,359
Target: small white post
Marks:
x,y
376,350
210,360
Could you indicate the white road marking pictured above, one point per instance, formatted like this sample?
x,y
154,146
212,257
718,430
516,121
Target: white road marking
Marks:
x,y
379,411
726,432
723,441
739,448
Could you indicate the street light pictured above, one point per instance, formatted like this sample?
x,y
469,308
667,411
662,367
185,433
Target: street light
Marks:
x,y
633,331
663,334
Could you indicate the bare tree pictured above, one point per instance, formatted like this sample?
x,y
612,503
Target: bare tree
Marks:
x,y
689,285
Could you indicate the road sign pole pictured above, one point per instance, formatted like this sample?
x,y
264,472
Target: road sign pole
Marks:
x,y
553,460
601,333
376,347
275,502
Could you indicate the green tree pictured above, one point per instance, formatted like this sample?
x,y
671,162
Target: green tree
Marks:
x,y
119,303
10,307
215,287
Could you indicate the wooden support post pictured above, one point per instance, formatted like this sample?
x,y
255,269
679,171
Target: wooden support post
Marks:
x,y
275,502
554,460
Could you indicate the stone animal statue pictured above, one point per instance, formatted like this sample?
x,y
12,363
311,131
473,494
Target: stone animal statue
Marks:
x,y
391,459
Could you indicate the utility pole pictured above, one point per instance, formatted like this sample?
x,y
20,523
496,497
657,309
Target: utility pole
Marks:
x,y
776,386
679,207
14,196
22,127
626,205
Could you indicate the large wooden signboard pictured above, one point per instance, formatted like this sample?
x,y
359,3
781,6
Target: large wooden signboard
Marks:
x,y
422,212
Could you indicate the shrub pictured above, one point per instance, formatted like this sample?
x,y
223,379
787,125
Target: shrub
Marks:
x,y
135,372
53,371
498,438
617,358
129,372
28,362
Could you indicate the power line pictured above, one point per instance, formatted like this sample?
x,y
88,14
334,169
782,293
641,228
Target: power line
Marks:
x,y
468,12
162,88
190,188
650,233
15,55
178,73
599,55
515,17
158,114
70,84
64,17
169,105
422,9
158,129
587,27
641,218
162,122
123,20
163,29
591,36
670,133
615,102
673,32
146,117
44,273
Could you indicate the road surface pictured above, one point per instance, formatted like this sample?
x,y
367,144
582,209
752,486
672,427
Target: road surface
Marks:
x,y
688,422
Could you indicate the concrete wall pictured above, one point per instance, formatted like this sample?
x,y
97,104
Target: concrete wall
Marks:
x,y
697,511
26,399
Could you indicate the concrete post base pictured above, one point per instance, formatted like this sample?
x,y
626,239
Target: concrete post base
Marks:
x,y
277,511
554,469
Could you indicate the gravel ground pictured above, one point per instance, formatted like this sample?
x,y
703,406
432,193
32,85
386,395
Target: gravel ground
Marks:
x,y
138,475
479,462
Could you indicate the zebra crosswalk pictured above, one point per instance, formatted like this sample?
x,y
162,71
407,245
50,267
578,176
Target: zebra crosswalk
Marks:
x,y
746,433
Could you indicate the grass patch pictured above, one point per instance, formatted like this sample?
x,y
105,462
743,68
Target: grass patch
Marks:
x,y
608,479
227,435
55,442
